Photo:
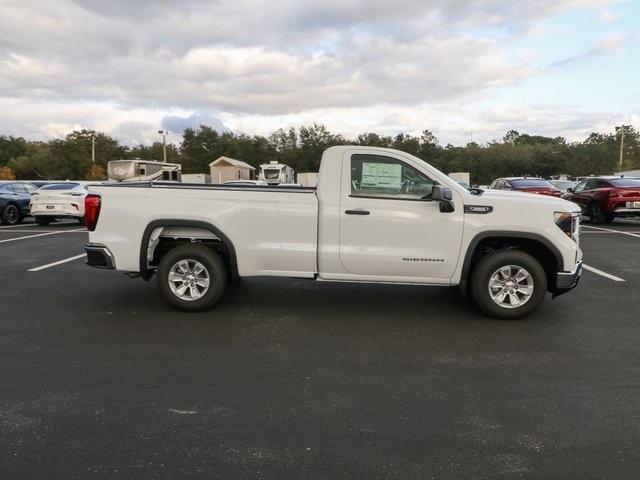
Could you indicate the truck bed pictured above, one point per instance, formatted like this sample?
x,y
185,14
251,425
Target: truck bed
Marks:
x,y
274,229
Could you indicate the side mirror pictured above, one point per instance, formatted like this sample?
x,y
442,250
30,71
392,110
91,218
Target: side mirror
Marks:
x,y
444,196
569,190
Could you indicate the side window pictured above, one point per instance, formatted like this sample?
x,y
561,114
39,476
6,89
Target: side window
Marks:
x,y
591,184
603,184
580,187
386,177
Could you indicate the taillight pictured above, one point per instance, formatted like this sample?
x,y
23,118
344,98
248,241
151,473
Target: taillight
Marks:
x,y
92,205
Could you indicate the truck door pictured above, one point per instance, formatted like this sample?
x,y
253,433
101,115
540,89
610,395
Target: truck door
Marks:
x,y
390,230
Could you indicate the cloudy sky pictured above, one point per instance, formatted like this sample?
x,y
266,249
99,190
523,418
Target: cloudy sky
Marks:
x,y
465,69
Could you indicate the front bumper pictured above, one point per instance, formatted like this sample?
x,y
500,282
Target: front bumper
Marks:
x,y
566,281
99,256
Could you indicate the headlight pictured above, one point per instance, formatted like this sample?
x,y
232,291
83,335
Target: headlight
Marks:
x,y
569,223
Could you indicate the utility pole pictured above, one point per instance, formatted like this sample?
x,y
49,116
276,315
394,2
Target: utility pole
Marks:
x,y
164,134
93,147
621,146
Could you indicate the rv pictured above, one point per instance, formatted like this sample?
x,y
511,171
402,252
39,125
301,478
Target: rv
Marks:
x,y
274,173
136,170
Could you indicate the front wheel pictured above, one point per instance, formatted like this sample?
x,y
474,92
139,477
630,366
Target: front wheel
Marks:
x,y
11,215
192,277
508,284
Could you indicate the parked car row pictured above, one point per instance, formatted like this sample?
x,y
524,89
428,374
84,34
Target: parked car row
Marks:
x,y
601,198
45,201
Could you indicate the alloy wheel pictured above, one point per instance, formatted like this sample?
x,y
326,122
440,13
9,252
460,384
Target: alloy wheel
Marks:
x,y
12,214
189,279
511,286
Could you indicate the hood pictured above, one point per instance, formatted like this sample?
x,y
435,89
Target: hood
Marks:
x,y
531,200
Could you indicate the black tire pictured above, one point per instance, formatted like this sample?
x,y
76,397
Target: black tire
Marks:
x,y
11,215
81,221
596,214
485,269
42,221
215,269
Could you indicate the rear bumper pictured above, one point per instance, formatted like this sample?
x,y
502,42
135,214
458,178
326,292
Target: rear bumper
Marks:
x,y
66,210
99,256
627,211
566,281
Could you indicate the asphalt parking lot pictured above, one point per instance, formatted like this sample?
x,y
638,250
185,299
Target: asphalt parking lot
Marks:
x,y
288,378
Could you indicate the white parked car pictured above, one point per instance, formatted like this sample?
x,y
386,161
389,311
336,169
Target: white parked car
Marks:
x,y
377,216
58,200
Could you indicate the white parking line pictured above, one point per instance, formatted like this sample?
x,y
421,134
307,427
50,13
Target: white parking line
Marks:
x,y
604,274
19,225
614,231
609,233
41,235
59,262
30,231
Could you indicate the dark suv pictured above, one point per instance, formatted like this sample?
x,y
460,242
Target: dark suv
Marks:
x,y
604,198
14,201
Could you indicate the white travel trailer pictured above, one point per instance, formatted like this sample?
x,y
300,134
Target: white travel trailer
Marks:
x,y
274,173
136,170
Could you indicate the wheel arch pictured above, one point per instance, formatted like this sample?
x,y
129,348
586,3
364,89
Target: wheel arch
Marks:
x,y
534,244
223,238
15,204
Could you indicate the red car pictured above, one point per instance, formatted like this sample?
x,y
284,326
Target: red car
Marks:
x,y
604,198
526,184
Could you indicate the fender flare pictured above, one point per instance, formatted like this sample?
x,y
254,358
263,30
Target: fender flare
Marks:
x,y
144,271
466,266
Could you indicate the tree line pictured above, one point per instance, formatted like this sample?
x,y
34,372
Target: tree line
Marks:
x,y
301,148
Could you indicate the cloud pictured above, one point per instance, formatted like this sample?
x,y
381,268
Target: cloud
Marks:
x,y
135,67
177,124
605,45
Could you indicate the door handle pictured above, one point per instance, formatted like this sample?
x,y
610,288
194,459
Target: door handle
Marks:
x,y
359,211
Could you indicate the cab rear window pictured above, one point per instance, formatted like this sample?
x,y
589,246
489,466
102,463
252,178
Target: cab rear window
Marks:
x,y
60,186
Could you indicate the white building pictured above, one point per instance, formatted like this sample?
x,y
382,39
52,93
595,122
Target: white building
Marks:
x,y
630,173
225,169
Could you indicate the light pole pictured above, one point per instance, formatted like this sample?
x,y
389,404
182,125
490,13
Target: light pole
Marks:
x,y
621,146
164,134
92,135
93,147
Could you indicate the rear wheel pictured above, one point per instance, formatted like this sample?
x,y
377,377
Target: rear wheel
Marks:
x,y
598,216
81,220
42,221
11,215
192,277
508,284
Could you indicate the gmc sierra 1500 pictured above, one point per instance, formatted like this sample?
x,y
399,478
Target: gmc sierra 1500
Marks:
x,y
377,215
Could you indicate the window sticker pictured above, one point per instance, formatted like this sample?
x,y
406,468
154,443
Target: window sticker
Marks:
x,y
381,175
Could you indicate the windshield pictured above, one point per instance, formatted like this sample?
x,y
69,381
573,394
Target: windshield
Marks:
x,y
563,184
530,182
625,182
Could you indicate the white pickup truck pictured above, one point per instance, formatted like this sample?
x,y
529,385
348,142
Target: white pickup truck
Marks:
x,y
377,216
